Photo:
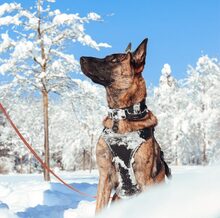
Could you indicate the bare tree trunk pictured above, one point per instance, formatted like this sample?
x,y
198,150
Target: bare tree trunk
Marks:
x,y
204,152
90,161
204,156
30,167
204,146
46,136
44,95
176,161
84,159
176,152
21,163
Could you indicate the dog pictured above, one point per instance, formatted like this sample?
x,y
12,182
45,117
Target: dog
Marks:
x,y
128,156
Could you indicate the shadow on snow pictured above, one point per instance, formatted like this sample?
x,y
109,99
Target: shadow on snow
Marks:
x,y
58,199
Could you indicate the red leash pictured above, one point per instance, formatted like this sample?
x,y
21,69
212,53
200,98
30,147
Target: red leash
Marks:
x,y
38,157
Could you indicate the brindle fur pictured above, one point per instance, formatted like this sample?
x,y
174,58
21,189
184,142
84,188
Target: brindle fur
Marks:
x,y
120,74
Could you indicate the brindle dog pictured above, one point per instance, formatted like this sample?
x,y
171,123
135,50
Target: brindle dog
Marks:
x,y
121,76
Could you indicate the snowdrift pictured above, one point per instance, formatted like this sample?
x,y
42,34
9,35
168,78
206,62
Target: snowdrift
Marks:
x,y
194,193
28,196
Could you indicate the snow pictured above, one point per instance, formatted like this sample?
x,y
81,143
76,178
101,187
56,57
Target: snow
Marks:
x,y
192,193
85,209
166,70
8,7
6,42
27,196
94,16
60,19
7,20
42,75
87,40
22,49
52,1
131,139
5,213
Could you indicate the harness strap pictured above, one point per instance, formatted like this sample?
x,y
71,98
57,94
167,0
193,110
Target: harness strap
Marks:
x,y
123,148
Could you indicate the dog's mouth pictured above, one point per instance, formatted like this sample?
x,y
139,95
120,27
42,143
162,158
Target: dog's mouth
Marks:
x,y
84,66
93,74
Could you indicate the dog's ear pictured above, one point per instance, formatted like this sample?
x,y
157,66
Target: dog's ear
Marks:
x,y
139,55
128,49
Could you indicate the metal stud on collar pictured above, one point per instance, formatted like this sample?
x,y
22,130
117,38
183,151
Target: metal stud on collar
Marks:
x,y
136,108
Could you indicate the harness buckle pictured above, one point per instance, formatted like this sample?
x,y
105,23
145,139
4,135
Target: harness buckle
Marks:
x,y
117,114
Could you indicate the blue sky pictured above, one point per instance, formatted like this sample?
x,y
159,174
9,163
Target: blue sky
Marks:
x,y
179,32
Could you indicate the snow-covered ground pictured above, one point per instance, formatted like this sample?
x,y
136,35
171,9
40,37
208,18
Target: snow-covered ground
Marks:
x,y
194,192
27,196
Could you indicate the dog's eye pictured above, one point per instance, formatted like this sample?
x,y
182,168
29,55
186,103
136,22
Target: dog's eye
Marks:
x,y
122,57
114,60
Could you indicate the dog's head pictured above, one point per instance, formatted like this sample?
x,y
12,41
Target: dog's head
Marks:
x,y
116,72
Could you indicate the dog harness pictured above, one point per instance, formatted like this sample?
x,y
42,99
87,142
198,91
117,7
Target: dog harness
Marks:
x,y
123,148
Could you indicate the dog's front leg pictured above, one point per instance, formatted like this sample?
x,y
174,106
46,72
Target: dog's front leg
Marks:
x,y
104,191
143,163
104,161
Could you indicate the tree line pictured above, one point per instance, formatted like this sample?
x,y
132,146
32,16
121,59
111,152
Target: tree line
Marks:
x,y
187,112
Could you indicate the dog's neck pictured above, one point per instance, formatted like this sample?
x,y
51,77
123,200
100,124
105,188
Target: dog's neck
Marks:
x,y
133,113
121,98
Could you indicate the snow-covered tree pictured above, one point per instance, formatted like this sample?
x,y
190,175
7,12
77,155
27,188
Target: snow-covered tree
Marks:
x,y
165,109
33,51
75,125
188,113
203,84
88,109
26,113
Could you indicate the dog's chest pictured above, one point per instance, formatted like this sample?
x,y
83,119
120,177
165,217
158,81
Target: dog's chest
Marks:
x,y
123,148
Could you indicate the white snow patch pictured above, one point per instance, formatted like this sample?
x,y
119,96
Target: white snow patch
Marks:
x,y
94,16
8,7
42,75
25,196
85,209
194,193
166,70
22,49
60,19
5,212
6,42
87,40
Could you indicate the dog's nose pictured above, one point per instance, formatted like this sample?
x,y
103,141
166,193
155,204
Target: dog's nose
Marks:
x,y
82,60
